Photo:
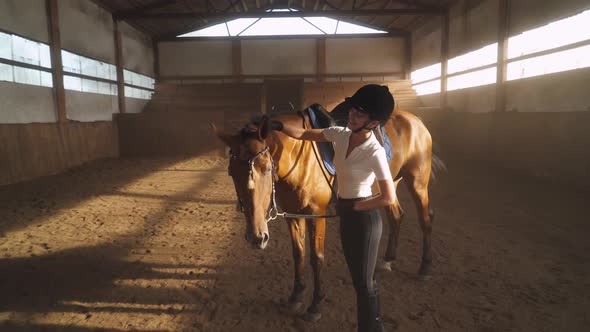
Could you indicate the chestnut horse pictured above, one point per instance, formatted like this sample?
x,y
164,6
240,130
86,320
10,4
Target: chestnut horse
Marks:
x,y
263,160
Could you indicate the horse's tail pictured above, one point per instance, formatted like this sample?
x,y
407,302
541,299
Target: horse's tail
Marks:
x,y
437,165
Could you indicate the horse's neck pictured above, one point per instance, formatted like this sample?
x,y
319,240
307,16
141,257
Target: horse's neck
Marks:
x,y
289,154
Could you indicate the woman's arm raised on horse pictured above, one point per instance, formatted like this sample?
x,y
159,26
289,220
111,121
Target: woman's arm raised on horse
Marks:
x,y
303,134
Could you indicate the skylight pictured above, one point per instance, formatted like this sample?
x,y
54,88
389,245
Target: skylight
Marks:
x,y
275,26
281,26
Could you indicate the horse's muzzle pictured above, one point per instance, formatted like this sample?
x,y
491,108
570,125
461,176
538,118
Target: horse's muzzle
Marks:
x,y
259,241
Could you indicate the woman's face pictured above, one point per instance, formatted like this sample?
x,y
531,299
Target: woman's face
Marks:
x,y
357,119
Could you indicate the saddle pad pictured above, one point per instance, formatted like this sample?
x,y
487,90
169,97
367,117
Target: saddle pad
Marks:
x,y
326,148
386,144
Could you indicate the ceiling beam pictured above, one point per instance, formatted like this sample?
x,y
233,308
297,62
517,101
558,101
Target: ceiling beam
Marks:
x,y
383,6
419,4
120,15
232,5
305,13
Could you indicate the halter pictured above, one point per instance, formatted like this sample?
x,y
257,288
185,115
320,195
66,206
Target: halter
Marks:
x,y
273,206
252,160
273,212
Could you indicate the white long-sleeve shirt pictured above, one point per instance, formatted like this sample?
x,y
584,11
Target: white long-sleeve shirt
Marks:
x,y
357,172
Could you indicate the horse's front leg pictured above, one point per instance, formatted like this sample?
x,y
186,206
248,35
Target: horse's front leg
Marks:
x,y
317,237
297,231
418,187
394,215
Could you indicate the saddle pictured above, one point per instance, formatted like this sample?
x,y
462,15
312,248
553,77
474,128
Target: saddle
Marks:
x,y
320,118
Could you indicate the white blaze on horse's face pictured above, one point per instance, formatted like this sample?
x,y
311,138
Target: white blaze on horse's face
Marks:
x,y
252,171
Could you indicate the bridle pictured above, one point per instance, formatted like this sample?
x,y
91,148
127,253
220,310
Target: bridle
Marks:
x,y
273,212
252,160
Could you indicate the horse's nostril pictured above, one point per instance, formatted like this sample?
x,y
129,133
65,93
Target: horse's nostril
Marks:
x,y
265,237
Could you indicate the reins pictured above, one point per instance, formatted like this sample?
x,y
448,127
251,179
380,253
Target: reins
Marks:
x,y
319,160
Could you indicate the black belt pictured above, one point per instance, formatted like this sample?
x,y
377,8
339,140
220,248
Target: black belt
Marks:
x,y
355,199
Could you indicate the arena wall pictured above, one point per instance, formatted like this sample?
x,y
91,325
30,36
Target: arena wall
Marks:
x,y
544,126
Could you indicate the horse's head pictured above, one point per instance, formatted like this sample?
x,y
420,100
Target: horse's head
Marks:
x,y
251,168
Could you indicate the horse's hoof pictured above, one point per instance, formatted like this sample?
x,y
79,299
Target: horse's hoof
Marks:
x,y
424,273
384,266
424,277
311,316
291,307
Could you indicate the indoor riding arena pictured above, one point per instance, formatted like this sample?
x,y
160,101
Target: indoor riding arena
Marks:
x,y
118,213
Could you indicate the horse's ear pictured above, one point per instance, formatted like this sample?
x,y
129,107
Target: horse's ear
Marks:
x,y
264,127
226,138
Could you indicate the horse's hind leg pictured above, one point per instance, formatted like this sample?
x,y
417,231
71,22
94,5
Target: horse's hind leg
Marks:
x,y
317,236
418,187
297,231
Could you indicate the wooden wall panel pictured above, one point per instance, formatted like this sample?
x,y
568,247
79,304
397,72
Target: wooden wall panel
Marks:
x,y
32,150
542,145
364,55
271,57
235,97
154,134
195,58
175,121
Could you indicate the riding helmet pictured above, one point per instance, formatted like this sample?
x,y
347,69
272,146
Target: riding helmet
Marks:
x,y
375,100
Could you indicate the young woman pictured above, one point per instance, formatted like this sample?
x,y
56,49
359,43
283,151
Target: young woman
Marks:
x,y
359,160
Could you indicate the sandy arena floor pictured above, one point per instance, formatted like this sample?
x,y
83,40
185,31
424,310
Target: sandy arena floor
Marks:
x,y
156,245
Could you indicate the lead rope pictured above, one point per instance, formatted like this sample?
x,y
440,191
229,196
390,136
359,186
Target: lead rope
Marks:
x,y
273,212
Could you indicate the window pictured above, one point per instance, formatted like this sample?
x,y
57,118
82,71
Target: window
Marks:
x,y
281,26
423,79
5,46
78,64
484,56
138,85
472,79
72,83
573,31
427,88
6,73
19,49
78,70
426,73
24,50
551,63
71,62
561,33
